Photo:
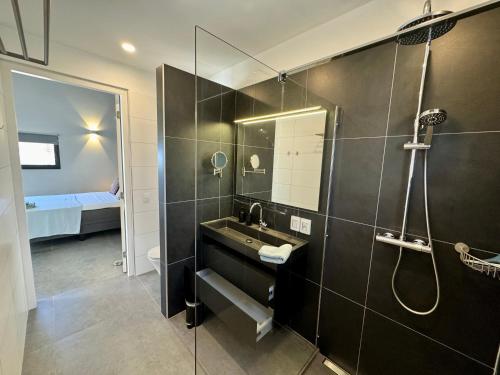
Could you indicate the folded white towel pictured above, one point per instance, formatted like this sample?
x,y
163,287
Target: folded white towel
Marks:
x,y
273,254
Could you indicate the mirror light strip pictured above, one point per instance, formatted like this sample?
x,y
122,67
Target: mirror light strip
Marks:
x,y
276,115
283,117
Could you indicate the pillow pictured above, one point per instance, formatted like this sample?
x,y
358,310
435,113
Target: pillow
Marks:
x,y
115,186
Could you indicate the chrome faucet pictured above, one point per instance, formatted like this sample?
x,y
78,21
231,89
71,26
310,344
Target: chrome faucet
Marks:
x,y
262,223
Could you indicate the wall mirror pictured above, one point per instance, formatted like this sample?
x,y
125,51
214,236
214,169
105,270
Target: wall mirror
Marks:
x,y
219,162
280,158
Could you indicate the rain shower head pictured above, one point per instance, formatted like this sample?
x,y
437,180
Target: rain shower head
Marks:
x,y
432,117
422,35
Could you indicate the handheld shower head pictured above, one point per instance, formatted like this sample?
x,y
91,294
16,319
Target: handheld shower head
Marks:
x,y
430,118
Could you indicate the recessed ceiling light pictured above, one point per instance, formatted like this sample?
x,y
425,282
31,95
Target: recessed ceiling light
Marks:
x,y
128,47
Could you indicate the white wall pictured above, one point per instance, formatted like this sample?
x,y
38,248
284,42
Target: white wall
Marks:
x,y
13,306
372,21
88,161
142,119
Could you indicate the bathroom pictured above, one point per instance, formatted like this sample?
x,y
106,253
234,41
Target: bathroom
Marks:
x,y
300,188
339,200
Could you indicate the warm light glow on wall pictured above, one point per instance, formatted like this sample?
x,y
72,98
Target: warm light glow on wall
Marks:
x,y
281,115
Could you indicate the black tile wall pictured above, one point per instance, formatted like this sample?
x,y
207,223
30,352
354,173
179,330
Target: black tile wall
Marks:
x,y
207,183
464,298
228,129
303,308
267,95
356,179
391,349
347,258
340,330
180,231
179,102
309,265
360,83
209,115
175,276
216,132
179,176
459,189
295,93
357,305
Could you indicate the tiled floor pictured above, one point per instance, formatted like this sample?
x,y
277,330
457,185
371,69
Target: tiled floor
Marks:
x,y
92,319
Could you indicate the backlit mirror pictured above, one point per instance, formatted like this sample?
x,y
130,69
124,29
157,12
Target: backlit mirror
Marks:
x,y
280,159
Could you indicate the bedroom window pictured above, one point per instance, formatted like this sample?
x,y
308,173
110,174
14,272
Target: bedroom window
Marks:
x,y
39,151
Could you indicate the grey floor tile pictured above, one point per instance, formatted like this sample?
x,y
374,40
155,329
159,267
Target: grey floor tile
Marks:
x,y
93,319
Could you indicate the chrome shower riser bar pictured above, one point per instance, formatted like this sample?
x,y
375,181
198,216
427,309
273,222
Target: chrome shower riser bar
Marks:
x,y
22,39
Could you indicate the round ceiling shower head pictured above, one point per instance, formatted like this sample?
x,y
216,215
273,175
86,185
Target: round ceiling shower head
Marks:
x,y
432,117
422,35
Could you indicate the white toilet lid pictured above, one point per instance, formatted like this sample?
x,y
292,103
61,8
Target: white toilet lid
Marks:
x,y
154,253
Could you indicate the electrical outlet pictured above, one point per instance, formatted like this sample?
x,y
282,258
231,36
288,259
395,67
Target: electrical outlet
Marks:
x,y
305,226
295,223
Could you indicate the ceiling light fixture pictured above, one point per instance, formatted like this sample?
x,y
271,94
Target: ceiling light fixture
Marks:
x,y
128,47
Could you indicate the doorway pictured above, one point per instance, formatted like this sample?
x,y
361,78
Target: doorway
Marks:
x,y
70,139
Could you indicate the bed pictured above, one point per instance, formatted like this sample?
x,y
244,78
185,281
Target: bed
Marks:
x,y
56,216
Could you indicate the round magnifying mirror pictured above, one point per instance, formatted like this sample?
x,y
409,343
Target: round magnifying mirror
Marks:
x,y
219,160
254,161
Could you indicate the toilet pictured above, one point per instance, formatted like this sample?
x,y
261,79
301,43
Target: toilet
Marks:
x,y
154,257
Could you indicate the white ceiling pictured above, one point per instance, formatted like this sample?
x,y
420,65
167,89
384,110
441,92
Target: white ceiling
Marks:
x,y
163,30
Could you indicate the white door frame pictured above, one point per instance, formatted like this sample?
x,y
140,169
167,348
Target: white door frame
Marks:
x,y
6,71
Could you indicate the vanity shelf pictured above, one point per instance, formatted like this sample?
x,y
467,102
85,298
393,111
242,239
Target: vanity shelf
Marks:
x,y
246,317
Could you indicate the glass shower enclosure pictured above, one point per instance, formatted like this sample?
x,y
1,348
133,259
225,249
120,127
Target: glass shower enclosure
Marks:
x,y
264,160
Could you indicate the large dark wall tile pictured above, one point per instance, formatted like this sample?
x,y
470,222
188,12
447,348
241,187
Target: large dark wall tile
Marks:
x,y
347,258
390,349
179,103
309,264
244,103
267,96
206,88
463,171
295,93
303,308
227,179
466,297
361,84
356,172
209,112
227,125
405,89
340,330
175,276
179,169
180,231
464,58
208,184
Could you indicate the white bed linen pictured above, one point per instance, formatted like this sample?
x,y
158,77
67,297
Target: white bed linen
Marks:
x,y
97,200
53,215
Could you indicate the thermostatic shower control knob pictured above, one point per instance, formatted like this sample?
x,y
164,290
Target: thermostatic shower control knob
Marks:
x,y
419,242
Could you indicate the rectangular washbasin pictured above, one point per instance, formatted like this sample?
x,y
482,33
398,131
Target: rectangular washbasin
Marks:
x,y
248,239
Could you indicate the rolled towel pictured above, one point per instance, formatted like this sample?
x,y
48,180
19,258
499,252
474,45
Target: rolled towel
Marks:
x,y
276,255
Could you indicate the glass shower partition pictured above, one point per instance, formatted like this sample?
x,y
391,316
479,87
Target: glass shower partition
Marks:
x,y
263,141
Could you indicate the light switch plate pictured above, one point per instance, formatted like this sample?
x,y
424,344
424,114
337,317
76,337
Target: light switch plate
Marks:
x,y
295,223
305,226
